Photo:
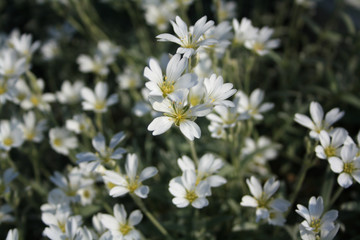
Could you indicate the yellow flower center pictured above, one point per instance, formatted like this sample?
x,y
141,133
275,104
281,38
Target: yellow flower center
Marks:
x,y
86,194
125,229
99,105
110,185
263,202
167,87
133,185
258,46
21,96
191,196
34,100
61,226
349,167
315,223
330,151
57,142
8,141
3,89
30,135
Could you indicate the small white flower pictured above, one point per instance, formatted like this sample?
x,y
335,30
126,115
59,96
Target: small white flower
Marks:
x,y
162,85
12,234
11,65
159,14
96,100
316,224
208,166
221,33
189,40
131,182
348,166
217,92
253,105
70,93
33,131
330,148
11,135
186,191
80,123
120,226
263,149
177,111
7,89
244,30
261,44
50,49
22,91
62,140
95,65
87,195
318,122
130,79
70,231
38,99
104,154
108,51
264,202
23,45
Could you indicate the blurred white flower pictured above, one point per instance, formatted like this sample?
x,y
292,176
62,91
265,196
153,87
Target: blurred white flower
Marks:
x,y
253,105
23,45
330,145
130,79
120,226
107,51
317,121
70,93
32,130
348,166
7,89
190,40
11,65
13,234
225,9
222,34
262,43
38,99
217,92
266,206
244,31
96,100
11,135
62,140
131,182
95,65
263,149
159,15
317,225
8,176
50,49
70,230
80,123
186,191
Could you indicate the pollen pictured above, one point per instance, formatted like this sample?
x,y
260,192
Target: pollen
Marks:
x,y
30,135
8,141
258,46
349,167
57,142
315,223
99,105
167,87
34,100
125,229
133,186
191,196
330,151
2,90
86,194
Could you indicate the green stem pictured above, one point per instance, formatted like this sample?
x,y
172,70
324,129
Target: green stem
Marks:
x,y
151,217
334,197
193,152
99,122
35,163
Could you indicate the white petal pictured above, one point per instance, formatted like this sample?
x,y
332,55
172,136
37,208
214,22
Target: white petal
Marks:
x,y
344,180
135,217
160,125
147,173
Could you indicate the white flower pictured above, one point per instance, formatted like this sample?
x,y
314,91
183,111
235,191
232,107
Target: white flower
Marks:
x,y
208,166
80,123
108,51
253,105
263,149
12,234
264,202
33,131
8,176
316,224
186,191
348,166
70,93
226,9
11,65
189,41
7,89
217,130
22,91
318,123
23,45
330,148
62,140
217,91
104,154
159,14
87,195
131,182
130,79
244,31
221,33
162,85
70,231
38,99
177,111
11,135
96,101
95,65
262,43
50,49
120,226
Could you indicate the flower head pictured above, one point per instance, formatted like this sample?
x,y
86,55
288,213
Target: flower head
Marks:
x,y
96,100
11,135
330,144
62,140
253,105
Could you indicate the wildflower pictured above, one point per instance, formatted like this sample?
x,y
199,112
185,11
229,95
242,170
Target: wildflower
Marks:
x,y
70,93
253,105
266,206
261,44
217,130
22,91
70,230
208,166
221,33
95,65
104,154
162,85
12,234
130,79
62,140
23,45
330,148
97,224
131,183
316,224
120,226
7,89
8,176
186,191
318,123
38,99
217,91
57,199
80,123
33,131
50,49
87,195
107,51
11,66
226,9
244,31
189,41
348,166
177,111
159,15
96,101
262,149
11,135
